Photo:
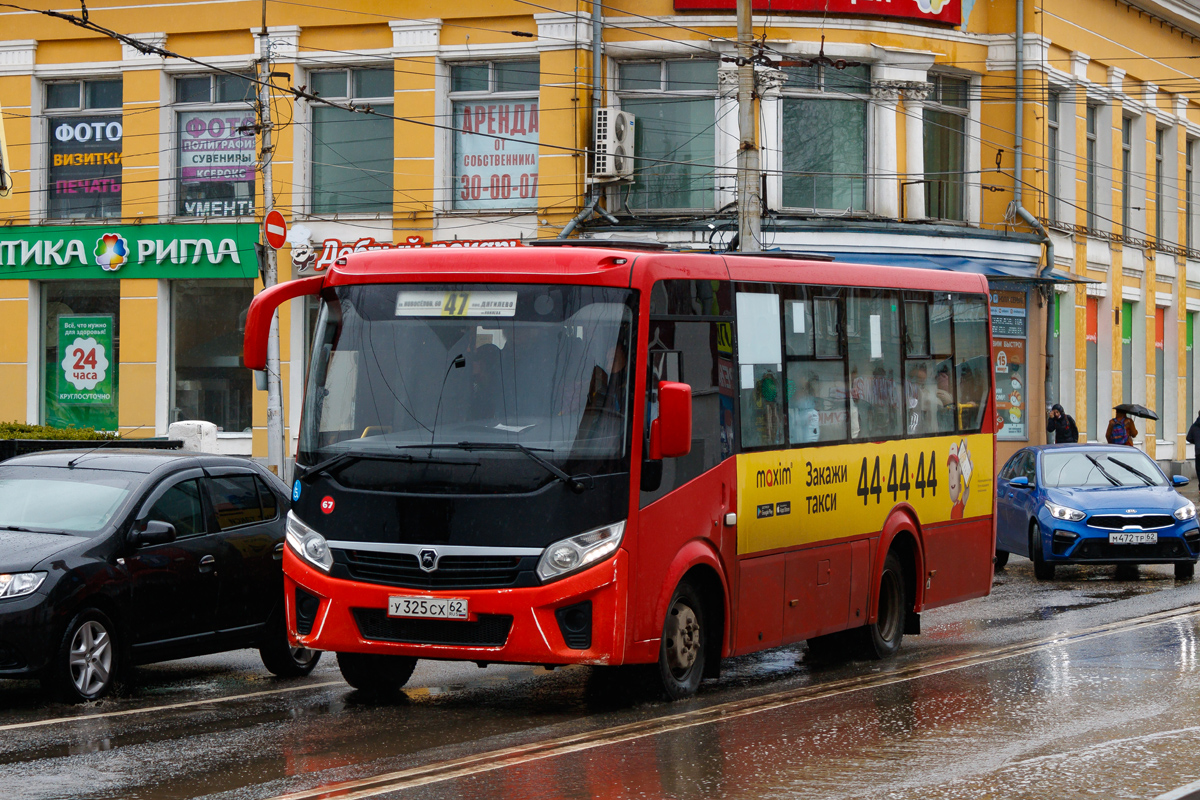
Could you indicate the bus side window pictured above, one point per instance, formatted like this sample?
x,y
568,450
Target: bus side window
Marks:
x,y
873,348
972,361
760,378
817,403
928,388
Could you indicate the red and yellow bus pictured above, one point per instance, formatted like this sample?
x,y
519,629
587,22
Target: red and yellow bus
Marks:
x,y
622,455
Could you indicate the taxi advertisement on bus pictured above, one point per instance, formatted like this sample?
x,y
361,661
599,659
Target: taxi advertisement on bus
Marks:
x,y
820,494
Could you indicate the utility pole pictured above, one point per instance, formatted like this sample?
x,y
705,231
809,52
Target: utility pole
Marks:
x,y
749,181
275,444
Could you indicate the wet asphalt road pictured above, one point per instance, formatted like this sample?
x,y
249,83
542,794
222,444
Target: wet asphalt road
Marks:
x,y
1084,687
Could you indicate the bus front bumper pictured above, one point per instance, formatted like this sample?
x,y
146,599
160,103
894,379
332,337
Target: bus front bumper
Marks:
x,y
576,620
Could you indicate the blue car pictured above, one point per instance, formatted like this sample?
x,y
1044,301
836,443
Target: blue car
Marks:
x,y
1093,504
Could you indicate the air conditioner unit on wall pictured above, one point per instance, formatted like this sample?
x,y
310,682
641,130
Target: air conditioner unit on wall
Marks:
x,y
614,144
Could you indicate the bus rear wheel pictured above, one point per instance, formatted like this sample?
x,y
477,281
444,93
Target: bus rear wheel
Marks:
x,y
882,637
375,674
684,639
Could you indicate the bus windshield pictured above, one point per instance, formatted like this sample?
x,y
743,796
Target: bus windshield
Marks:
x,y
395,366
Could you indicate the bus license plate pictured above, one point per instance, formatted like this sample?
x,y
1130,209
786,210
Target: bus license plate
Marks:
x,y
427,607
1145,537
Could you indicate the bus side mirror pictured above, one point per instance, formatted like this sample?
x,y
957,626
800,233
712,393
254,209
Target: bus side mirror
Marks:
x,y
262,309
671,433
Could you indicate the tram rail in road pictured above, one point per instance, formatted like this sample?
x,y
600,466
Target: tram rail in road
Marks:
x,y
489,761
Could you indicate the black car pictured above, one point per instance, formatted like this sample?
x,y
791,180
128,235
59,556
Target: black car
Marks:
x,y
112,558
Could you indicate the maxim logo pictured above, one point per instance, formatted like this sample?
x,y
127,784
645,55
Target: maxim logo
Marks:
x,y
780,476
428,560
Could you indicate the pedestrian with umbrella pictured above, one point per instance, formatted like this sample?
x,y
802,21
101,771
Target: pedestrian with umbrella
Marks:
x,y
1121,429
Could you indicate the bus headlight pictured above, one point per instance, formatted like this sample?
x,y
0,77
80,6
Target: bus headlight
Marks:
x,y
576,553
308,544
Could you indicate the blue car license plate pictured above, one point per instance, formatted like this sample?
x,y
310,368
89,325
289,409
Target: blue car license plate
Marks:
x,y
1131,537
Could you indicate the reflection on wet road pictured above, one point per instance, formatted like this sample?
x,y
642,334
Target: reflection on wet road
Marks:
x,y
1085,687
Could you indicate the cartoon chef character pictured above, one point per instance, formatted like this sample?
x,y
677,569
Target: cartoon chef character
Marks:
x,y
958,478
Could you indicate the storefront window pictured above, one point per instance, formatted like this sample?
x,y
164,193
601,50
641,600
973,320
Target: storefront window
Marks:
x,y
674,104
85,149
825,172
352,152
210,382
945,119
1126,351
499,98
217,159
81,343
1009,338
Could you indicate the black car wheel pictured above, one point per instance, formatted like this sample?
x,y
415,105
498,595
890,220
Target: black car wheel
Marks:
x,y
84,667
1184,570
882,637
280,656
684,638
374,674
1001,559
1041,570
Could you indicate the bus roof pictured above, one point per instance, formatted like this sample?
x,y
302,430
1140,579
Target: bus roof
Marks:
x,y
625,267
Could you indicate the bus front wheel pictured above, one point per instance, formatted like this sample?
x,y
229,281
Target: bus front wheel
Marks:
x,y
375,674
882,637
681,652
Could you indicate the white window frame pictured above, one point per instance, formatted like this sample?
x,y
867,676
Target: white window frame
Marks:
x,y
305,178
175,180
617,195
452,97
82,112
790,92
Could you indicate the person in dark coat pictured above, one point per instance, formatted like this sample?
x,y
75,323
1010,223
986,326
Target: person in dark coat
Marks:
x,y
1061,426
1193,438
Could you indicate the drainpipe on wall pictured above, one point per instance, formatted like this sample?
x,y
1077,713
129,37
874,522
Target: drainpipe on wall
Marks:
x,y
597,66
1032,221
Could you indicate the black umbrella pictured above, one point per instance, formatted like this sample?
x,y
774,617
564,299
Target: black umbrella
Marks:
x,y
1136,410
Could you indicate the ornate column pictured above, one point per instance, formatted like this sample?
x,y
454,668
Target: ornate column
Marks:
x,y
885,95
770,138
915,95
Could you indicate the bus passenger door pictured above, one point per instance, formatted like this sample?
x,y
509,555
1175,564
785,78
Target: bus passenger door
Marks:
x,y
817,591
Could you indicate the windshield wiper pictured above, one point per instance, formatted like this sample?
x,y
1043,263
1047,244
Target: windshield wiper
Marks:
x,y
1103,471
347,456
573,482
23,529
1132,469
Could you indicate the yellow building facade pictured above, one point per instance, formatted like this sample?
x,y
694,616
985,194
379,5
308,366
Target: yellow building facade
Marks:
x,y
886,130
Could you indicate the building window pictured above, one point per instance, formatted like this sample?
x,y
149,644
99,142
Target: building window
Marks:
x,y
352,153
81,324
1160,367
217,158
1052,146
945,118
1126,166
1090,157
674,103
210,381
1160,142
85,149
497,171
825,172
